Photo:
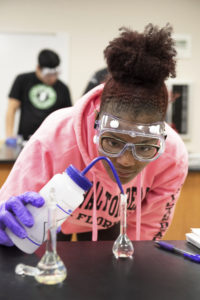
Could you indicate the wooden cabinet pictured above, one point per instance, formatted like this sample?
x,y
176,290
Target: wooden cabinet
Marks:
x,y
8,156
5,169
187,210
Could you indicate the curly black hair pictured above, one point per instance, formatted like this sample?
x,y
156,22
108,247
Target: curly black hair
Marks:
x,y
139,64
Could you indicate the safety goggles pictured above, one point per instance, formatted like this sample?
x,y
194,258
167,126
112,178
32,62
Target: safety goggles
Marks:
x,y
50,71
149,138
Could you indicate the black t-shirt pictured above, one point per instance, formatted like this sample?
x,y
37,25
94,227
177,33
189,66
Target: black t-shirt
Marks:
x,y
37,101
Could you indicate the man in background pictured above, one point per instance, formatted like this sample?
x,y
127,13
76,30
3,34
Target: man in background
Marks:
x,y
36,95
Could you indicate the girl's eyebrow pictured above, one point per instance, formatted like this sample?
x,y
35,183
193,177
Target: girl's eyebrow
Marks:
x,y
141,142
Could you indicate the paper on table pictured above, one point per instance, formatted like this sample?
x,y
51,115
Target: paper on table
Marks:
x,y
194,237
196,231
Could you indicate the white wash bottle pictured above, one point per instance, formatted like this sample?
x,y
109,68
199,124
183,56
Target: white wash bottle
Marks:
x,y
68,189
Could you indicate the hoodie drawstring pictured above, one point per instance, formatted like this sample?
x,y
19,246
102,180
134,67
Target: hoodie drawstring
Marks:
x,y
94,215
138,206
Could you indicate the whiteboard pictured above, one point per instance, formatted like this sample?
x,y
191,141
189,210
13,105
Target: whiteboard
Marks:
x,y
18,54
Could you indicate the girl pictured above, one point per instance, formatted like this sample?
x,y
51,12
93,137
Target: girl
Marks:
x,y
122,119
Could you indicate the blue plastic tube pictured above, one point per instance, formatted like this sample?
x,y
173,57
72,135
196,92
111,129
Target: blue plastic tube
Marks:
x,y
111,166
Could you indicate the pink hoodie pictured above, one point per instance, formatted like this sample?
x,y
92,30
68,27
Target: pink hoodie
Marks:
x,y
66,137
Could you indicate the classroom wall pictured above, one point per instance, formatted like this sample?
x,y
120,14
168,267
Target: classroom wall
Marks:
x,y
92,24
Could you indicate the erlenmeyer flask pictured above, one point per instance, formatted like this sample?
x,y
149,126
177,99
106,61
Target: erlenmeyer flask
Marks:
x,y
51,268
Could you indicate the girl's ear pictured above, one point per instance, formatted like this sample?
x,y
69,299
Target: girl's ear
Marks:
x,y
96,114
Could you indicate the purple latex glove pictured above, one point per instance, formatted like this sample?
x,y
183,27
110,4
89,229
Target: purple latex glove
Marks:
x,y
11,141
16,206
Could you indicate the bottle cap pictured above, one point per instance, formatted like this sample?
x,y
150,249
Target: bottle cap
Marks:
x,y
78,178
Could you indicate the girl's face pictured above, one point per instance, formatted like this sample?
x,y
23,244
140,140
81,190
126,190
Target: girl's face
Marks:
x,y
126,165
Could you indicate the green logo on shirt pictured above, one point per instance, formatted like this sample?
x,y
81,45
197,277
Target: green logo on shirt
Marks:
x,y
42,96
